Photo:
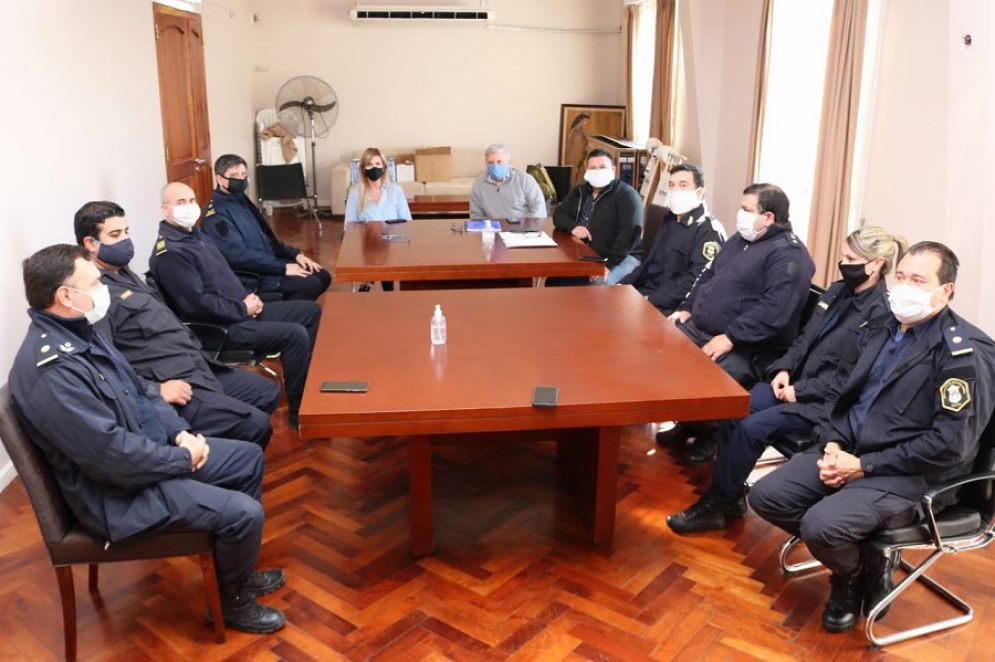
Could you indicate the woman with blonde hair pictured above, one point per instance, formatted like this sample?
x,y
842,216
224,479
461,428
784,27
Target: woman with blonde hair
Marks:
x,y
375,197
794,399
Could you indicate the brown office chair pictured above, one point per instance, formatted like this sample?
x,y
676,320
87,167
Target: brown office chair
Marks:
x,y
69,544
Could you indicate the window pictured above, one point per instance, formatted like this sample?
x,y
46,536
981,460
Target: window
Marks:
x,y
799,47
644,38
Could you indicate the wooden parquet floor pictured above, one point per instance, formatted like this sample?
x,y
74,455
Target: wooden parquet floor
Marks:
x,y
513,577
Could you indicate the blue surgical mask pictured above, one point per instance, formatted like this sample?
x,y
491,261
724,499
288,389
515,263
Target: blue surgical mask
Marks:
x,y
497,171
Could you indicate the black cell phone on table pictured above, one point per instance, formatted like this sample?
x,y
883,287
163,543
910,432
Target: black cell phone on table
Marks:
x,y
345,387
396,220
593,258
545,396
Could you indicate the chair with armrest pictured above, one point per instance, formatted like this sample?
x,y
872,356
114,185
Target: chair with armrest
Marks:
x,y
69,544
967,525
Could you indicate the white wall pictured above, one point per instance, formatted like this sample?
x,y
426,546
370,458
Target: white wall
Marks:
x,y
432,84
932,154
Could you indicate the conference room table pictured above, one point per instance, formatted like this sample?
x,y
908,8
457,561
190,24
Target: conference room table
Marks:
x,y
613,357
438,254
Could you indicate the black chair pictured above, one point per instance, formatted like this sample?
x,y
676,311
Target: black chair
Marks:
x,y
214,337
965,526
281,182
560,176
69,544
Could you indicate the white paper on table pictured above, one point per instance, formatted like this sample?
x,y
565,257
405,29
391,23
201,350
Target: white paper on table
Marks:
x,y
527,239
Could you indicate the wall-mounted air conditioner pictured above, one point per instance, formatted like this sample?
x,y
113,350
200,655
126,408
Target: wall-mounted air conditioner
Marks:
x,y
437,14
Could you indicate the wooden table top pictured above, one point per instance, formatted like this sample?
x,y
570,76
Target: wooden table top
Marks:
x,y
435,252
614,358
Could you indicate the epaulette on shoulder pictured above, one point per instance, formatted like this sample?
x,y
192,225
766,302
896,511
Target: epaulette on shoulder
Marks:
x,y
46,350
160,245
957,341
210,211
793,239
124,295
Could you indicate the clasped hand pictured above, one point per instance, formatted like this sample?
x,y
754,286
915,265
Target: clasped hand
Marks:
x,y
837,467
197,445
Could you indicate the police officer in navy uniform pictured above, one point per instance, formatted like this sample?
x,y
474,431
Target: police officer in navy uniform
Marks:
x,y
125,462
216,399
249,243
794,400
748,300
194,276
908,417
688,239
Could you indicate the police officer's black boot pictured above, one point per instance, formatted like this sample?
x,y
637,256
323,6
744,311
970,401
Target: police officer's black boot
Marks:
x,y
242,612
264,582
675,436
843,608
878,577
700,451
707,514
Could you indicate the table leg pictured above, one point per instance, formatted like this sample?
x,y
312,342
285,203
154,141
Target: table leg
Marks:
x,y
589,462
420,488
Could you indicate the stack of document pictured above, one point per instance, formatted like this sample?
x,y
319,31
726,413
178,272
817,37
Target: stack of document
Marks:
x,y
527,239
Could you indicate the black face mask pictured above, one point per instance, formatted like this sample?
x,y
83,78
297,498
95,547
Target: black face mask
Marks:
x,y
116,255
237,185
854,275
374,174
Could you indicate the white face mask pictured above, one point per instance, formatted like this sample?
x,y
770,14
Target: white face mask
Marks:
x,y
101,298
910,304
745,222
599,177
681,202
186,215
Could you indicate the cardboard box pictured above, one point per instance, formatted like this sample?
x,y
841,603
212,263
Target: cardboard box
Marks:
x,y
630,158
434,164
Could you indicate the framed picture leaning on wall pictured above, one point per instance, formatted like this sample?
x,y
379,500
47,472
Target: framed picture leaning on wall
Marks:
x,y
577,124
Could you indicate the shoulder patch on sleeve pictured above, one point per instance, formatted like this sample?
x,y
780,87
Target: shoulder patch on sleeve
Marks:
x,y
710,249
222,227
957,341
955,394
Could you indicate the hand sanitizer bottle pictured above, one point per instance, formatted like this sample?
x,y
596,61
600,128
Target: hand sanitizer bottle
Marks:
x,y
438,327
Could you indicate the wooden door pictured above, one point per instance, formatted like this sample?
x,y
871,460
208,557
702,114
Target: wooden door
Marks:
x,y
183,99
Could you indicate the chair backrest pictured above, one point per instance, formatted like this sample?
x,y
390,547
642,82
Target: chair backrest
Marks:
x,y
54,517
981,495
281,182
814,294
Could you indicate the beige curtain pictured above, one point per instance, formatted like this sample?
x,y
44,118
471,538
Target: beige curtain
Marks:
x,y
662,112
631,25
837,135
760,91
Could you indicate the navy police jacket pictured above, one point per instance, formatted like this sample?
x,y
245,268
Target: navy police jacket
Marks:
x,y
77,407
923,427
246,239
822,356
195,276
755,292
681,250
157,344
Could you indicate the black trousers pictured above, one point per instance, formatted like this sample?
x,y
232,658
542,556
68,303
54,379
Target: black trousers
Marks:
x,y
307,288
287,327
222,497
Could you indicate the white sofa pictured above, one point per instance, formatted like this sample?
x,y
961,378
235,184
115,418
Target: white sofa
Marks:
x,y
468,164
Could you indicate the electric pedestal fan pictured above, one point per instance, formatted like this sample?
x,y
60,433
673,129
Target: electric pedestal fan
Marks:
x,y
308,107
